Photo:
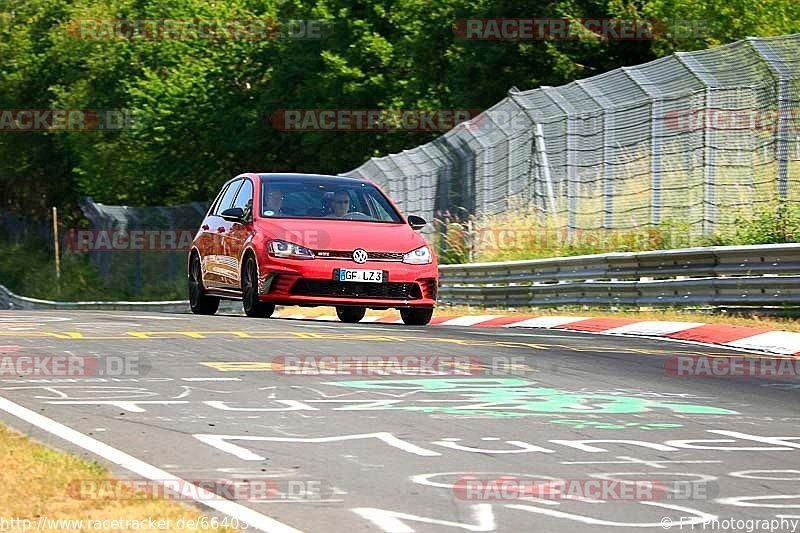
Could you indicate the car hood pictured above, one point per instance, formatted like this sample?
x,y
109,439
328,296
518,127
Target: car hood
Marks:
x,y
343,235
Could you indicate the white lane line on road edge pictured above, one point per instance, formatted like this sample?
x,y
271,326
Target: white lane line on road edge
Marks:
x,y
234,510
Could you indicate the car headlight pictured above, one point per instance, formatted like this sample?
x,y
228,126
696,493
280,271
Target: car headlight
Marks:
x,y
420,256
289,250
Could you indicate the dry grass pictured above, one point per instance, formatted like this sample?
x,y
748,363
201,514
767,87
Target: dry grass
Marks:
x,y
36,481
524,232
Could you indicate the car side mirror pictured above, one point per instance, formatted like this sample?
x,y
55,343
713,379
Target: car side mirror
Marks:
x,y
416,222
234,214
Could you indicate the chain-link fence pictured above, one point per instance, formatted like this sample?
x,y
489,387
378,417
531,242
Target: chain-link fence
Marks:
x,y
17,229
697,139
138,246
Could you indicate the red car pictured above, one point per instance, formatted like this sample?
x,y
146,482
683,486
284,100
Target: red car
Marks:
x,y
309,240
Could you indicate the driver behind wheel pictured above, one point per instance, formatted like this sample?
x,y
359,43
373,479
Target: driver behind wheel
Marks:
x,y
341,204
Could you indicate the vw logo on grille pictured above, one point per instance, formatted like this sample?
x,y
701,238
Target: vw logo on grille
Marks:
x,y
360,256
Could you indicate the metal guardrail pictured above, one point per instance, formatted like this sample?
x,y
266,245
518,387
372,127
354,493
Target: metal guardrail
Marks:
x,y
762,275
9,300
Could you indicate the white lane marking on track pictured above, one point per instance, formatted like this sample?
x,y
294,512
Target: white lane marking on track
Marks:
x,y
32,318
106,324
222,442
211,379
203,497
154,317
545,322
653,327
468,320
510,334
785,342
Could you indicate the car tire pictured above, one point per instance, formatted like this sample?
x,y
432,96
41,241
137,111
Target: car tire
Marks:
x,y
350,314
416,317
252,306
199,302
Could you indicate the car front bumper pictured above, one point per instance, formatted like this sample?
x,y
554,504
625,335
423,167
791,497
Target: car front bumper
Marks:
x,y
311,282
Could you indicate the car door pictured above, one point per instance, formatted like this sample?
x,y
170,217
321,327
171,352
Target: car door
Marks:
x,y
237,236
216,265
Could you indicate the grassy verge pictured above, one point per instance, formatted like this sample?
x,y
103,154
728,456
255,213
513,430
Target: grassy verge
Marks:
x,y
38,482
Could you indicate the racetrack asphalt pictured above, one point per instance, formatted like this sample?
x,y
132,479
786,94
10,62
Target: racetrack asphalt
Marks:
x,y
399,448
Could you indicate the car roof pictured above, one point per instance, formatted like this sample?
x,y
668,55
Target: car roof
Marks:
x,y
315,177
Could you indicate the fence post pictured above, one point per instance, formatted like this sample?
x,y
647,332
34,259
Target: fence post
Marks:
x,y
783,75
56,250
482,173
608,169
572,178
709,169
538,152
541,148
656,133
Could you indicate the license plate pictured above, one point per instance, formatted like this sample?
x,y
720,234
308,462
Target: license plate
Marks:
x,y
370,276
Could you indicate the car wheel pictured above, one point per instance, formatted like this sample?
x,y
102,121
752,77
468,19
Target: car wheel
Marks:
x,y
416,317
199,301
253,307
351,314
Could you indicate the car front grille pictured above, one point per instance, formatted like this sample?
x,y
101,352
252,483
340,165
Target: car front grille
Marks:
x,y
371,256
348,289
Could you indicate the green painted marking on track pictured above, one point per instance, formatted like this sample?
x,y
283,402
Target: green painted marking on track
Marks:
x,y
514,397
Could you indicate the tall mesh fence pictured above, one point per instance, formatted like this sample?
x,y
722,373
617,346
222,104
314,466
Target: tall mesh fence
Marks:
x,y
16,229
696,138
138,246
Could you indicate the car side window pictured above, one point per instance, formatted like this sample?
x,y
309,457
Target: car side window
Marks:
x,y
227,198
244,200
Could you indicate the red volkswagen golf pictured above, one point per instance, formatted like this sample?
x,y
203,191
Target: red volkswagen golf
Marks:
x,y
309,240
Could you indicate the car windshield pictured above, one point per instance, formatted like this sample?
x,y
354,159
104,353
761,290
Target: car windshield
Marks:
x,y
331,199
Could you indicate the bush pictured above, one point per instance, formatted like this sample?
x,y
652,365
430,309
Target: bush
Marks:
x,y
775,224
28,269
